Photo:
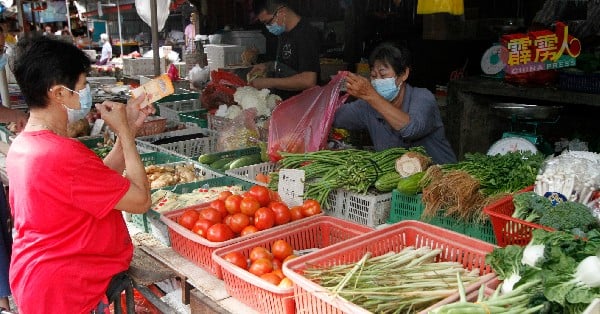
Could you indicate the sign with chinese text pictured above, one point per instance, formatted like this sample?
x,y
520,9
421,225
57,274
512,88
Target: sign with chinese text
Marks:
x,y
540,50
291,186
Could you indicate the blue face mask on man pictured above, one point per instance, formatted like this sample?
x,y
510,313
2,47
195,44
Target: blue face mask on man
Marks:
x,y
276,29
386,87
85,102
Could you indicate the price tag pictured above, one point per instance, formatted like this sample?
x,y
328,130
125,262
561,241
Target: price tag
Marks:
x,y
97,128
291,186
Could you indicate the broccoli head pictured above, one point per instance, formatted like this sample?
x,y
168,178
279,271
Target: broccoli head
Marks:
x,y
529,206
567,216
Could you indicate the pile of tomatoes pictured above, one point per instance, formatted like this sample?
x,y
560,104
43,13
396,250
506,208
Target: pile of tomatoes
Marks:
x,y
234,215
264,263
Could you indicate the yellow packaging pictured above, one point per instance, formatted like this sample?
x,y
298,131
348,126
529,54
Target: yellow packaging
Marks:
x,y
157,88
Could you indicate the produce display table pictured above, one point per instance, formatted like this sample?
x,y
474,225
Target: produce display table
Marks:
x,y
206,293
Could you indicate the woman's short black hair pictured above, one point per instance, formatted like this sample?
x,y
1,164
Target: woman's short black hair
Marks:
x,y
43,62
397,57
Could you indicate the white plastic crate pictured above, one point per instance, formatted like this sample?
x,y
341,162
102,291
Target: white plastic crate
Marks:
x,y
221,55
188,148
141,66
171,110
248,173
366,209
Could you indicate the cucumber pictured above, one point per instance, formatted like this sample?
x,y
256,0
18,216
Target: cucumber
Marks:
x,y
246,161
387,182
221,163
410,185
208,159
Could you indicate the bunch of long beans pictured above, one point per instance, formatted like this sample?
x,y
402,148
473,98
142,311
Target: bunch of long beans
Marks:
x,y
351,169
408,281
515,302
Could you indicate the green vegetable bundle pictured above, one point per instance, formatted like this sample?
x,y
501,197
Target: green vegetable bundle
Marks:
x,y
567,269
354,170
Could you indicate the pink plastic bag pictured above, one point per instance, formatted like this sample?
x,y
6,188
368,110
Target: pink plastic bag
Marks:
x,y
302,123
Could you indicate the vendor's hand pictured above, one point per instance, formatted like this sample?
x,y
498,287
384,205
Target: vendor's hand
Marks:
x,y
258,69
261,82
115,115
136,115
359,86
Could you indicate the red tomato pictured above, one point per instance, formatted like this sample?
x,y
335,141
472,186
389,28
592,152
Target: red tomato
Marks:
x,y
271,277
282,213
261,266
188,218
311,207
227,220
261,194
237,258
224,195
264,218
211,214
259,252
277,263
296,213
249,230
277,272
220,206
232,203
219,232
281,249
249,205
238,222
201,227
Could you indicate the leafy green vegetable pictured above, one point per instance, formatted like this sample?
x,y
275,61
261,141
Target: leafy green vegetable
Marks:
x,y
569,284
506,173
529,206
567,216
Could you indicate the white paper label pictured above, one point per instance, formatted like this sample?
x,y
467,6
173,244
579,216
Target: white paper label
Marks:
x,y
291,186
97,128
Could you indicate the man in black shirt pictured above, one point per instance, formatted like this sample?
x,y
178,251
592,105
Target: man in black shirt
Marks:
x,y
296,66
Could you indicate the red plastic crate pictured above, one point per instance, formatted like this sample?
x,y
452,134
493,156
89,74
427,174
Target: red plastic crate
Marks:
x,y
509,230
314,232
198,249
312,298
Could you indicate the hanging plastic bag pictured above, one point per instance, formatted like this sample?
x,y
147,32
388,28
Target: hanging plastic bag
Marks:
x,y
302,123
454,7
162,12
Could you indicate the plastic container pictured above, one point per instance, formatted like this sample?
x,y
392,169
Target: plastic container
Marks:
x,y
159,229
189,148
156,158
248,173
6,135
410,207
509,230
171,110
312,298
195,117
312,233
366,209
198,249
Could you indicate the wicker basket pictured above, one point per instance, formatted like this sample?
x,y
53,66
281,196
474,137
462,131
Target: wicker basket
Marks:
x,y
152,125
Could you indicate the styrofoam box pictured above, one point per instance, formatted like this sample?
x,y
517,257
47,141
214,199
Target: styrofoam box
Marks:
x,y
220,55
141,66
246,39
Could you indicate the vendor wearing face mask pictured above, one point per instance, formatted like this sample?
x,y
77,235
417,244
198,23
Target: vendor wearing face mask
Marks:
x,y
394,113
296,66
